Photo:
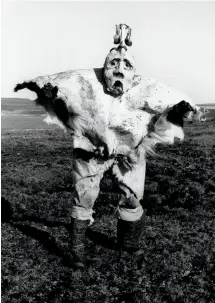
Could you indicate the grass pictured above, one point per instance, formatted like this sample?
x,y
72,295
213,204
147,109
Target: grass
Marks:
x,y
179,237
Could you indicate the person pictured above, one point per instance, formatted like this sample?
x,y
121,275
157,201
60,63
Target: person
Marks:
x,y
115,118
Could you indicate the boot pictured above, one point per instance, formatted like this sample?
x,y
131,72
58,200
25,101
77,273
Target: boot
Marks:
x,y
129,238
77,257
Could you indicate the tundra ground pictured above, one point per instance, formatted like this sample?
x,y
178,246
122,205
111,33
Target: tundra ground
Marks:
x,y
179,236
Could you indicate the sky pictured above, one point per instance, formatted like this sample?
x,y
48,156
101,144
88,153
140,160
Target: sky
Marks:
x,y
172,41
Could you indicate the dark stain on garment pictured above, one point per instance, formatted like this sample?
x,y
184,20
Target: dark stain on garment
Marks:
x,y
48,91
86,89
151,125
136,81
147,109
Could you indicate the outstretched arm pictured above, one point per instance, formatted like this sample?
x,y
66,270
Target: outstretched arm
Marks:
x,y
72,100
162,128
156,97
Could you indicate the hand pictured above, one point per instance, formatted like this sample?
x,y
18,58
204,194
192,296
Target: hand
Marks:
x,y
101,152
128,161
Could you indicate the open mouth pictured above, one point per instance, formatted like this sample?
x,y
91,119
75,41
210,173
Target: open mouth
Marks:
x,y
118,85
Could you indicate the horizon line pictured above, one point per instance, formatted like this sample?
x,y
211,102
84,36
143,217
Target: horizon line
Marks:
x,y
212,102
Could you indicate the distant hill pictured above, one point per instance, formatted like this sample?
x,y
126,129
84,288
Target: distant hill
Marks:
x,y
207,104
14,99
25,105
19,103
7,101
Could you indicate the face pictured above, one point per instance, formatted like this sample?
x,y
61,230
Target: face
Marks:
x,y
119,71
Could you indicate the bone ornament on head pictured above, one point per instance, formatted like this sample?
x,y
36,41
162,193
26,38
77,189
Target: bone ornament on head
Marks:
x,y
123,35
119,67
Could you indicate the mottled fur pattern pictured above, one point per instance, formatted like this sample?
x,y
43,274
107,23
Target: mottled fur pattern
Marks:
x,y
74,110
68,118
47,97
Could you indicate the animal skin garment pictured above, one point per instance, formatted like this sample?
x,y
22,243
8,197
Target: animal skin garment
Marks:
x,y
95,117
